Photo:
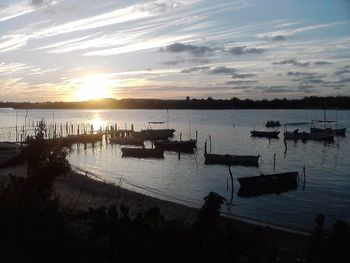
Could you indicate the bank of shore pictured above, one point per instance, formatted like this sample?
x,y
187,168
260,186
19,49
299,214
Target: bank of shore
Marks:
x,y
78,192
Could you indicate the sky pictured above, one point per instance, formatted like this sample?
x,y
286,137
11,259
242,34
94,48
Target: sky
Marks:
x,y
67,50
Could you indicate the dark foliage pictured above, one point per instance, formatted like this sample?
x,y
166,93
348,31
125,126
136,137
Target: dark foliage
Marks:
x,y
334,247
313,102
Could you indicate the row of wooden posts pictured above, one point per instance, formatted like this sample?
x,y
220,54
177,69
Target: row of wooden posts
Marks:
x,y
55,130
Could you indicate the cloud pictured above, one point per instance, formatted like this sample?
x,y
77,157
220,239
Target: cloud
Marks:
x,y
320,63
181,60
161,7
174,62
291,62
279,38
291,32
38,3
240,50
195,69
192,49
313,81
241,82
275,89
199,60
301,74
242,76
342,71
222,70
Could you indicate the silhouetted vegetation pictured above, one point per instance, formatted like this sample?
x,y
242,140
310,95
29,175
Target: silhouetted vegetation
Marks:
x,y
334,247
313,102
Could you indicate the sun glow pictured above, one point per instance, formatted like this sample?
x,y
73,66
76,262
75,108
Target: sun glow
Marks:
x,y
94,87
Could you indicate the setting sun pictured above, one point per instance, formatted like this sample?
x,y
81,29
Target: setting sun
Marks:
x,y
94,87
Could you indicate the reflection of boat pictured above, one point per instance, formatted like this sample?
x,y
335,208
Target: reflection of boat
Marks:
x,y
81,138
157,134
178,146
142,153
339,131
267,134
267,184
308,136
126,141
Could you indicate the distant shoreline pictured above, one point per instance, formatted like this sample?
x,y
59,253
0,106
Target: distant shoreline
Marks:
x,y
307,103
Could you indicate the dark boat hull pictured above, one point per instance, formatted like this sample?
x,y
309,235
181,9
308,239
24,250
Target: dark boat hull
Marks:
x,y
142,153
127,141
340,131
177,146
266,134
267,184
159,134
226,159
304,136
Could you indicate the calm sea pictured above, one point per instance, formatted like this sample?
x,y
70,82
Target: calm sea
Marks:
x,y
187,180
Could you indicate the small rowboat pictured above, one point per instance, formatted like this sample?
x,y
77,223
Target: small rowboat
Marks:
x,y
157,134
340,131
304,136
178,146
267,134
227,159
142,153
267,184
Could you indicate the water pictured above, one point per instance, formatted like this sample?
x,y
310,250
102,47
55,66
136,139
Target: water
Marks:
x,y
188,180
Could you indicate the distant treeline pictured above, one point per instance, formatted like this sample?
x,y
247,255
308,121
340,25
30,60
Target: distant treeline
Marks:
x,y
313,102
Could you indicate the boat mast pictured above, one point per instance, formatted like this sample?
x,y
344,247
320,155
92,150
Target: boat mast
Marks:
x,y
167,118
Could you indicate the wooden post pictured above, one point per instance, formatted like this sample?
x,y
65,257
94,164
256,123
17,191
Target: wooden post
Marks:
x,y
229,170
285,146
274,161
209,143
304,182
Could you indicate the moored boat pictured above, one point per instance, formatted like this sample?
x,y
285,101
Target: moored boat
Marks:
x,y
142,153
304,136
178,146
267,134
337,131
157,134
227,159
267,184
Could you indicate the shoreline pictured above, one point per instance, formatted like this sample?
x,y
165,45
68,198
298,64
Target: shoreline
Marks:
x,y
244,219
78,192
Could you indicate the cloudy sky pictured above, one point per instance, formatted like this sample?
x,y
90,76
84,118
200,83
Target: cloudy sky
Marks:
x,y
53,50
